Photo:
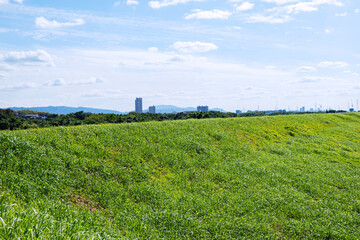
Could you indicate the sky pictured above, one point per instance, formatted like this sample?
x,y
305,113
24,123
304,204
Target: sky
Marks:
x,y
230,54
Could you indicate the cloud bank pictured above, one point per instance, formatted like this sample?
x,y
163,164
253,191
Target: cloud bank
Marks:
x,y
166,3
29,57
42,22
193,47
208,14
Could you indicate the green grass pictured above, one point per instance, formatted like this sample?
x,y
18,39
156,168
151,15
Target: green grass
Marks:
x,y
280,177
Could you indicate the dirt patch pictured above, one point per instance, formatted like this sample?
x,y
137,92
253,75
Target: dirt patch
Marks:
x,y
249,140
82,201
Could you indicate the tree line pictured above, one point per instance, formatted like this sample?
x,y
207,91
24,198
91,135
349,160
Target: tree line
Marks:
x,y
11,120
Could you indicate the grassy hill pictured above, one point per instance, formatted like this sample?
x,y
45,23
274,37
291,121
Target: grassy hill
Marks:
x,y
285,177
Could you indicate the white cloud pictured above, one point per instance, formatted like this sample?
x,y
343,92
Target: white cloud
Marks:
x,y
357,10
270,67
102,94
4,30
259,18
189,47
166,3
5,67
351,73
153,49
174,59
132,2
61,82
4,2
328,30
19,86
279,2
3,74
245,6
208,14
309,79
19,1
30,57
185,58
302,6
282,14
93,80
341,14
55,83
58,82
333,64
306,69
94,94
237,27
44,23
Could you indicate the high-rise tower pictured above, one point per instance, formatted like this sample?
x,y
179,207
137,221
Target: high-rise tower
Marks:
x,y
138,105
152,109
202,108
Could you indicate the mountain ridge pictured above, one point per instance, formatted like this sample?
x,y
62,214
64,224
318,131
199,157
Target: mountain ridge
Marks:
x,y
68,110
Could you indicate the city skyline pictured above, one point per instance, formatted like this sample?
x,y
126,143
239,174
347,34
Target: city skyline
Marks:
x,y
252,54
139,108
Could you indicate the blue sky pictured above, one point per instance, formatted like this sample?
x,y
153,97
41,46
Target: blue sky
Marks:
x,y
231,54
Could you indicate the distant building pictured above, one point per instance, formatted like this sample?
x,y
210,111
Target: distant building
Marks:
x,y
311,110
351,110
138,105
302,109
238,111
33,116
275,111
152,109
202,108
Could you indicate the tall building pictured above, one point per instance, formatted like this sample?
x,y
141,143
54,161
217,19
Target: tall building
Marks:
x,y
138,105
302,109
238,111
202,108
152,109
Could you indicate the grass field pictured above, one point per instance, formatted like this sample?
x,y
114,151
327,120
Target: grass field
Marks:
x,y
280,177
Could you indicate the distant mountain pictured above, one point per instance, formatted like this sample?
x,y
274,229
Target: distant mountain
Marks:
x,y
172,109
66,110
175,109
218,110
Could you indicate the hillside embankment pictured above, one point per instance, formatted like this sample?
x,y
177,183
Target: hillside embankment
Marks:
x,y
285,177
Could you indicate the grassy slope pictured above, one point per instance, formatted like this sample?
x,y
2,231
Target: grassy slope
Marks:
x,y
266,177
